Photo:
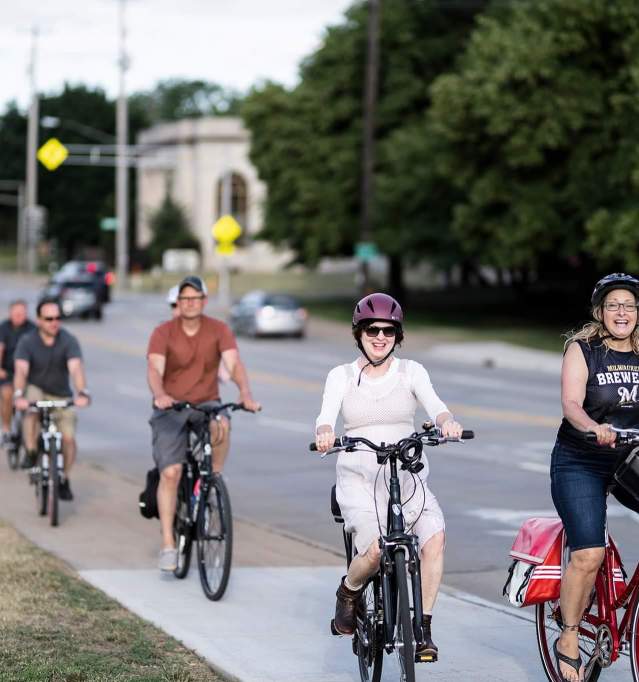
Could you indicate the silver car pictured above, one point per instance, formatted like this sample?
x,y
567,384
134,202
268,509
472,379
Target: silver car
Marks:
x,y
261,314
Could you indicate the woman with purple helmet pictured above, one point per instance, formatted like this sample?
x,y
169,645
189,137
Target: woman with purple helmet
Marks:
x,y
377,396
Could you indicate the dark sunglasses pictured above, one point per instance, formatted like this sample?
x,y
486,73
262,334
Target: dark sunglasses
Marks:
x,y
374,331
52,319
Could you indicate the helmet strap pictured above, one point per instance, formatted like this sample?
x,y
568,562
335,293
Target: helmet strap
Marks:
x,y
374,363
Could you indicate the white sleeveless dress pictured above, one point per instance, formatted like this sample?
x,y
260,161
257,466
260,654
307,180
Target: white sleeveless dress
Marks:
x,y
381,409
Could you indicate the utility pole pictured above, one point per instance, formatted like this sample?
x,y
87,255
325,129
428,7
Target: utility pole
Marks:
x,y
28,228
224,279
368,147
121,172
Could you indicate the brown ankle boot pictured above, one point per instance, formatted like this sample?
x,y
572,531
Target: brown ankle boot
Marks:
x,y
345,610
427,651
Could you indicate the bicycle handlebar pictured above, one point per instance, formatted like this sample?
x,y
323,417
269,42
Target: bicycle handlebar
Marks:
x,y
51,404
429,437
624,436
210,410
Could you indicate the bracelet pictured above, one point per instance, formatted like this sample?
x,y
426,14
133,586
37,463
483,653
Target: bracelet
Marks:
x,y
18,393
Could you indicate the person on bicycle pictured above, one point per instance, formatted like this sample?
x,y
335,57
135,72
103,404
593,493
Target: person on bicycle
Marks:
x,y
45,359
377,395
183,357
11,331
599,384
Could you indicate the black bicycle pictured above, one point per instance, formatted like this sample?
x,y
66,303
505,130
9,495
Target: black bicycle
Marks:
x,y
389,616
203,510
14,446
49,469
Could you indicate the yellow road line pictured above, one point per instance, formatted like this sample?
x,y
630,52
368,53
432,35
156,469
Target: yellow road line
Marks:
x,y
493,414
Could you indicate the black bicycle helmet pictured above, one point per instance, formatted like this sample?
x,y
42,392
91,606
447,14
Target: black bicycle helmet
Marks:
x,y
616,280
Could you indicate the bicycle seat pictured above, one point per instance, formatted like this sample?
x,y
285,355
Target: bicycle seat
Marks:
x,y
335,510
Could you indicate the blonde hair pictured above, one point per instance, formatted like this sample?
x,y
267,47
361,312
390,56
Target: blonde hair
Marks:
x,y
597,330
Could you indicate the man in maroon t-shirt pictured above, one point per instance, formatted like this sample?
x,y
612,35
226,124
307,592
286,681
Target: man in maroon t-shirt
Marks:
x,y
183,358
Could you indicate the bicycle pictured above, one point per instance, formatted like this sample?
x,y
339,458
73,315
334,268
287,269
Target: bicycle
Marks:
x,y
49,469
602,638
389,616
14,446
203,509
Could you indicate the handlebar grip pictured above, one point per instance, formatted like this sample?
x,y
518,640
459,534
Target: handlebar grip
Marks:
x,y
312,447
590,436
467,435
337,444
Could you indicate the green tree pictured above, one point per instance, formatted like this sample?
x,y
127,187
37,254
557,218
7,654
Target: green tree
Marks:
x,y
306,142
171,230
537,131
174,99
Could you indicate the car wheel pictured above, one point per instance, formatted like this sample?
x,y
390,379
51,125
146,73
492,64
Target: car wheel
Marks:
x,y
97,313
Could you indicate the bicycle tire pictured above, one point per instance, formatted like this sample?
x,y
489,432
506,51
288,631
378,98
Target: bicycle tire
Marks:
x,y
404,643
182,531
42,490
215,539
634,640
54,487
13,456
370,655
548,629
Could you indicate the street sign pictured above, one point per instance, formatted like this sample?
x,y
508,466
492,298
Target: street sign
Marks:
x,y
226,229
52,154
366,251
109,224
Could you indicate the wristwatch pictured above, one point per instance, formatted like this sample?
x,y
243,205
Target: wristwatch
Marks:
x,y
18,393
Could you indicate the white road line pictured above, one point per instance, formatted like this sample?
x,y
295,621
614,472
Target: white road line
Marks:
x,y
537,467
286,425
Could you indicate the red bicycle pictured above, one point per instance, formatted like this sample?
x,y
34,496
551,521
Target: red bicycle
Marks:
x,y
603,636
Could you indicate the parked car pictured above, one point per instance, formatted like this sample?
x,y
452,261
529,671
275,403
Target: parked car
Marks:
x,y
94,271
262,314
78,297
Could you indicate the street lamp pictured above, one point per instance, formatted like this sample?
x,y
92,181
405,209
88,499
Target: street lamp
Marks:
x,y
82,128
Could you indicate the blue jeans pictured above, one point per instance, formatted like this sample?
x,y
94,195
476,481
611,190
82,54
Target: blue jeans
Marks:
x,y
579,483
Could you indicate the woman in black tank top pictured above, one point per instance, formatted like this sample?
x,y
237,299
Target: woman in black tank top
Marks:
x,y
599,388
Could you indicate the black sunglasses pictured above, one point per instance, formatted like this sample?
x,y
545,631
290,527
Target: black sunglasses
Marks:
x,y
374,331
52,319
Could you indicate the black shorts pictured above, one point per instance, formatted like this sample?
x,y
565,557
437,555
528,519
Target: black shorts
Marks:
x,y
579,482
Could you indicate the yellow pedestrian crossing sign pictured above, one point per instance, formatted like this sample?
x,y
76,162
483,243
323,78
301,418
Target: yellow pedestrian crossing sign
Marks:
x,y
52,154
226,230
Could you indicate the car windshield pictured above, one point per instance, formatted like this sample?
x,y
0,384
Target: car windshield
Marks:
x,y
282,302
78,285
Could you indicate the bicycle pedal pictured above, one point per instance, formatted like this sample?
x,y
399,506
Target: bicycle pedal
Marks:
x,y
426,658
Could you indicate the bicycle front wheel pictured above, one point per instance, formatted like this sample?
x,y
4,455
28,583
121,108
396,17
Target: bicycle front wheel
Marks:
x,y
368,642
634,641
215,539
548,625
404,640
54,486
42,488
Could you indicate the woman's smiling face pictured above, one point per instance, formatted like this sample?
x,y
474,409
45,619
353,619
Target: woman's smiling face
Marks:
x,y
375,342
619,312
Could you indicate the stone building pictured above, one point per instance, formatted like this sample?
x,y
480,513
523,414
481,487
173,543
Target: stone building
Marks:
x,y
189,159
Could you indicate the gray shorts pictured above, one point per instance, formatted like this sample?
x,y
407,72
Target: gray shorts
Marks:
x,y
169,430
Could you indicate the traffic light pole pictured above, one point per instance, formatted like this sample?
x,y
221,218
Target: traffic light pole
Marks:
x,y
27,231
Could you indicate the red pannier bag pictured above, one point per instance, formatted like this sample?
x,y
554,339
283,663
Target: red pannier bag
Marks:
x,y
535,573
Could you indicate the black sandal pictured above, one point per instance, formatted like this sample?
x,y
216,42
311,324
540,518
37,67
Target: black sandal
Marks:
x,y
574,663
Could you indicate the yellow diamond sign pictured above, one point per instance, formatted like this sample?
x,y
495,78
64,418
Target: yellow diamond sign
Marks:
x,y
225,249
52,154
226,229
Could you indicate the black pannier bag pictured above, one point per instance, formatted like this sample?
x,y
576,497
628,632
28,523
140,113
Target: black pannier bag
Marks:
x,y
148,502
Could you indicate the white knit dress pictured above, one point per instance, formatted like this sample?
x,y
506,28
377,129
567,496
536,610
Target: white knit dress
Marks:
x,y
381,409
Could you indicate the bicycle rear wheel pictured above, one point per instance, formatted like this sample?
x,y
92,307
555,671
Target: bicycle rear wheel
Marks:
x,y
404,641
12,455
183,530
215,539
54,486
548,625
368,642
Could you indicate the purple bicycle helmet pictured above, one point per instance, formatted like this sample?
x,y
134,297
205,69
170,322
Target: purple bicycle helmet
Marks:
x,y
378,307
616,280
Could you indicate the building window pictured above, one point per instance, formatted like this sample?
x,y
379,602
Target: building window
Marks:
x,y
239,204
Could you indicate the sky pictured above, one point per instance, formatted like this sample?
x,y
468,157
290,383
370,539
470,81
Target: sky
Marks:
x,y
235,43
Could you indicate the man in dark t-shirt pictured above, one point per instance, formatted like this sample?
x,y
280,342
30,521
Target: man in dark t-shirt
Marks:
x,y
11,331
183,356
45,359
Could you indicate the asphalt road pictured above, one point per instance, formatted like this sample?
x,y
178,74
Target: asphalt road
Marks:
x,y
486,487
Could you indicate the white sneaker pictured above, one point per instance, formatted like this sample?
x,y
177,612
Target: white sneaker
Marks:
x,y
167,560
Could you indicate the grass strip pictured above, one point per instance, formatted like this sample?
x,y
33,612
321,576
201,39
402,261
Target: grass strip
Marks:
x,y
55,627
